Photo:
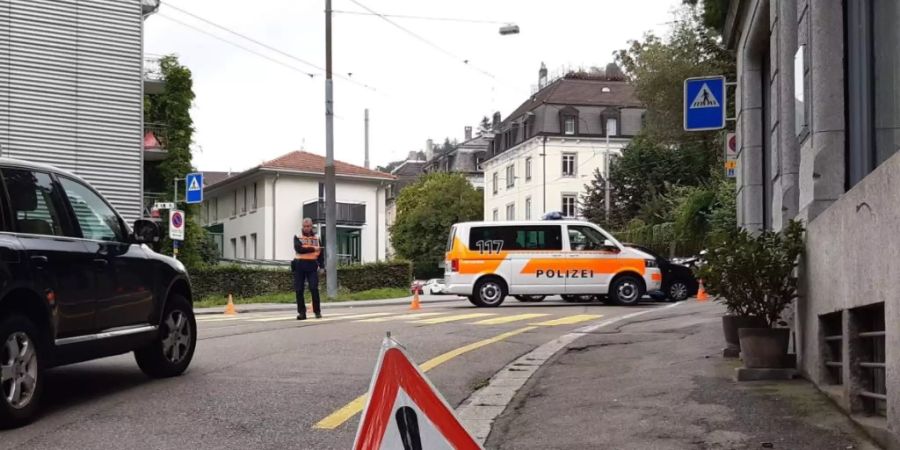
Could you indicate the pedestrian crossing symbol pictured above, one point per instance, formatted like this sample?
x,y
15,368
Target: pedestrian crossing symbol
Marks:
x,y
704,103
194,188
705,98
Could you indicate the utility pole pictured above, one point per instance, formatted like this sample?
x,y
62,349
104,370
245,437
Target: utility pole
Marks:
x,y
331,281
544,177
367,138
606,175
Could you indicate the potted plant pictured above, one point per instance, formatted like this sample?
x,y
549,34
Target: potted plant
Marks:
x,y
727,274
754,275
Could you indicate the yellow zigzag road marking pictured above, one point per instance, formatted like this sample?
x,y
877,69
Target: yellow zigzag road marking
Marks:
x,y
569,320
453,318
508,319
401,317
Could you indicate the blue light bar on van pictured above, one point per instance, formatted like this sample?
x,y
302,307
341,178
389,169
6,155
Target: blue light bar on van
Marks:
x,y
553,215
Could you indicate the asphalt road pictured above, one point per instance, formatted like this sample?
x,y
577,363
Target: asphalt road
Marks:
x,y
265,380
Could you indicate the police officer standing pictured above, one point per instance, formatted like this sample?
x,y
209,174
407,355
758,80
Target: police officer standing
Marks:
x,y
308,261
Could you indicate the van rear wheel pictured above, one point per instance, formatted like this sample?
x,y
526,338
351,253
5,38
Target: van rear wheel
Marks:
x,y
489,292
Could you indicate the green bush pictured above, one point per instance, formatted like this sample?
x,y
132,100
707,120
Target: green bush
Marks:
x,y
243,281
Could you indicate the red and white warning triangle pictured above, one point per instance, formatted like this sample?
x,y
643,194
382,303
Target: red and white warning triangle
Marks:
x,y
405,411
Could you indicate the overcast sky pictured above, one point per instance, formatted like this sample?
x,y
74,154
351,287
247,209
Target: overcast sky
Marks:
x,y
249,109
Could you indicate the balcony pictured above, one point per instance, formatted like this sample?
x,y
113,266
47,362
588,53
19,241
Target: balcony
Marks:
x,y
353,214
154,80
150,199
155,142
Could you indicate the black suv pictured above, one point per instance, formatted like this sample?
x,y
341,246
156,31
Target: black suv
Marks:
x,y
678,281
76,284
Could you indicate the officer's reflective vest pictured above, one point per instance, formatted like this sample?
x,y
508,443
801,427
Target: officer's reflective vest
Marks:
x,y
309,241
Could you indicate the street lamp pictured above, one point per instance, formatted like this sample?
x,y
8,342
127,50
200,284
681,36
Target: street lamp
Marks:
x,y
509,29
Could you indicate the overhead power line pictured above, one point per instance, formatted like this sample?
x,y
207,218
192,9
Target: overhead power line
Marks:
x,y
422,39
263,44
200,30
440,19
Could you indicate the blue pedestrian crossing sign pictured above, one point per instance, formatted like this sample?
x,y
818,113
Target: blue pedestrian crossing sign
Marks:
x,y
194,183
704,103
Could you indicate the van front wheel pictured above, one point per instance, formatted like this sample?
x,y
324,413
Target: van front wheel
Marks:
x,y
626,290
489,292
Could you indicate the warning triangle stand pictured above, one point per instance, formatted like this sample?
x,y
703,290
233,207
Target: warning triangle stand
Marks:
x,y
705,98
405,411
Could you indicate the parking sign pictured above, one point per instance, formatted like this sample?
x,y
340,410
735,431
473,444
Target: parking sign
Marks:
x,y
704,103
176,224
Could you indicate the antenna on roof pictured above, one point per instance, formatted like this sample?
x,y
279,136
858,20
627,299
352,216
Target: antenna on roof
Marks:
x,y
303,144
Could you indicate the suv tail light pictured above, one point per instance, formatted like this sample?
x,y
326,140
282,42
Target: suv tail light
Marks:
x,y
454,265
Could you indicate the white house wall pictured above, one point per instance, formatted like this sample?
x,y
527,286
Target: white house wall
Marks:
x,y
590,156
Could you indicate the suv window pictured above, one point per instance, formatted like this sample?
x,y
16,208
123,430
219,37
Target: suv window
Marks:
x,y
97,219
34,201
585,238
529,237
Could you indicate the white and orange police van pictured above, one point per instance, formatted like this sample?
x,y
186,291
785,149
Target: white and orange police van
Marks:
x,y
486,261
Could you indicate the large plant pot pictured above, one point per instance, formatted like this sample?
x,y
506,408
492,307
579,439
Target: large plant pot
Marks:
x,y
731,324
764,348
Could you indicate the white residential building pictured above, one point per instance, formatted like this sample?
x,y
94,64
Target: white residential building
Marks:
x,y
259,211
545,152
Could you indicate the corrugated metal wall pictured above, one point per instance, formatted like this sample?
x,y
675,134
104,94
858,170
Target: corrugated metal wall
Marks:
x,y
71,90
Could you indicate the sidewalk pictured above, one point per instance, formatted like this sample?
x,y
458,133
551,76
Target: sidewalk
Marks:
x,y
660,382
282,307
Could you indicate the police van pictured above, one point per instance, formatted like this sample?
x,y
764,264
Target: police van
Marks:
x,y
486,261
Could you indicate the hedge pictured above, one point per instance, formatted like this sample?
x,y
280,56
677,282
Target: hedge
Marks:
x,y
244,281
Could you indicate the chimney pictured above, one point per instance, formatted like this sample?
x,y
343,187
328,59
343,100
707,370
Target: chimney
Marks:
x,y
429,150
413,156
468,133
542,76
496,124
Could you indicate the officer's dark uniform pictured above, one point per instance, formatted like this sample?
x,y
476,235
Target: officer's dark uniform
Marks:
x,y
308,260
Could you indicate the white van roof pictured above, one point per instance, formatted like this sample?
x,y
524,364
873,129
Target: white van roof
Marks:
x,y
502,223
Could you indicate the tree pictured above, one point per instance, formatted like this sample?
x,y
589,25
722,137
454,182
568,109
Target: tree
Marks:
x,y
426,210
713,12
657,68
171,108
485,125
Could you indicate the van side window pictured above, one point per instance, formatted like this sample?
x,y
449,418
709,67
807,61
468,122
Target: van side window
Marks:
x,y
585,238
34,201
530,237
450,239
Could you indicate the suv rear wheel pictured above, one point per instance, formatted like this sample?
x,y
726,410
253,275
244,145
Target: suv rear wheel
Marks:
x,y
626,290
489,292
173,349
21,371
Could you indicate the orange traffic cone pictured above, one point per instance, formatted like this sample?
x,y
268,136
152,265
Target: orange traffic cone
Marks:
x,y
415,301
701,293
229,308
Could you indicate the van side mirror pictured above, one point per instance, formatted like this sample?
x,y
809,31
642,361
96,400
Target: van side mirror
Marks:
x,y
145,232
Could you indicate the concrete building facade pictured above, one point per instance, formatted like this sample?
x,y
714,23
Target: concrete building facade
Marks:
x,y
818,124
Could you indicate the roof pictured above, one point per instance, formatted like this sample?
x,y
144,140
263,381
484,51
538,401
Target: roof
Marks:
x,y
576,92
21,163
300,161
211,178
409,168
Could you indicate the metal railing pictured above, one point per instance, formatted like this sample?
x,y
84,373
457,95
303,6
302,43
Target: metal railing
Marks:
x,y
152,69
159,132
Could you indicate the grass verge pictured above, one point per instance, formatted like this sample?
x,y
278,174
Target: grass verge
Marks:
x,y
288,297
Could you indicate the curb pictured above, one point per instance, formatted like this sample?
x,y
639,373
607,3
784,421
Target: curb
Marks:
x,y
277,307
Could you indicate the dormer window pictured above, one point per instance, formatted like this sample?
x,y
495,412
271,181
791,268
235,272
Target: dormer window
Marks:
x,y
568,118
609,121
